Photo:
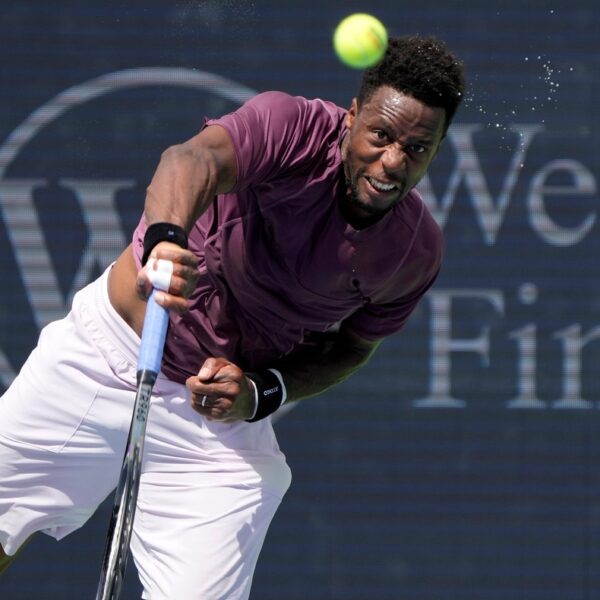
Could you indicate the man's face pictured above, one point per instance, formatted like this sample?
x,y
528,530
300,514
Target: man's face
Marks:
x,y
391,142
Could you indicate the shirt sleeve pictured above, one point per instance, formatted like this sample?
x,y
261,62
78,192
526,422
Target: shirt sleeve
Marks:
x,y
274,134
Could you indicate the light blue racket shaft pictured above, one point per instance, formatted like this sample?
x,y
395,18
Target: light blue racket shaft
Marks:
x,y
121,523
153,337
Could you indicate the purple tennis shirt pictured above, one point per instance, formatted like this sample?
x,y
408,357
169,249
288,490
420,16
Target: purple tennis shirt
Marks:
x,y
278,262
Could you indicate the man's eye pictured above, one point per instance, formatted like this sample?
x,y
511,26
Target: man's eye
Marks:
x,y
417,149
380,135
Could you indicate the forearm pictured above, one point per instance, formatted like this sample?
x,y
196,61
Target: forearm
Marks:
x,y
188,177
181,188
222,391
312,372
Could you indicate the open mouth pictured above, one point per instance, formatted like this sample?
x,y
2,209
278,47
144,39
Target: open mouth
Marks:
x,y
381,186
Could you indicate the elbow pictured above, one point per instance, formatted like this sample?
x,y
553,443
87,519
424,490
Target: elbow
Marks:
x,y
174,153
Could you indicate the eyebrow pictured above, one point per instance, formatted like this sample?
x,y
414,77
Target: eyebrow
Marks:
x,y
425,138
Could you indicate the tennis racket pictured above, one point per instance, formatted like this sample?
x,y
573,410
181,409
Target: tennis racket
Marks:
x,y
119,530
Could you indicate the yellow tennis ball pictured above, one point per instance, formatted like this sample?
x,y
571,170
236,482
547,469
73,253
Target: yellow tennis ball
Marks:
x,y
360,40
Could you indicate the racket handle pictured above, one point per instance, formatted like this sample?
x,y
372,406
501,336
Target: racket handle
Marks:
x,y
154,334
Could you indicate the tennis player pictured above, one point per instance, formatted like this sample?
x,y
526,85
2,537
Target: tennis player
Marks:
x,y
298,243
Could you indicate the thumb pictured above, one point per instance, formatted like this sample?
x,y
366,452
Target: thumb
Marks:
x,y
209,369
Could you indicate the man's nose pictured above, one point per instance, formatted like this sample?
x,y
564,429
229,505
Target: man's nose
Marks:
x,y
393,159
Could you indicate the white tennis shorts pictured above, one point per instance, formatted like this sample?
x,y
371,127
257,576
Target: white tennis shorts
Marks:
x,y
208,490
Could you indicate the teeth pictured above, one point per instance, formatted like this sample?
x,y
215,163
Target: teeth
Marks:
x,y
382,187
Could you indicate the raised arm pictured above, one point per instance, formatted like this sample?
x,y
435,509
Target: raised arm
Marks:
x,y
187,178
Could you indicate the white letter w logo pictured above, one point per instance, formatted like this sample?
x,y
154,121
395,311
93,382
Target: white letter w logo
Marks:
x,y
104,242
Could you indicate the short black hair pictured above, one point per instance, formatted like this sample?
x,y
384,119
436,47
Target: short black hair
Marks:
x,y
420,67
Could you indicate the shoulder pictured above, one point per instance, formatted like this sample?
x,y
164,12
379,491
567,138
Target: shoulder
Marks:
x,y
287,101
280,108
275,133
273,100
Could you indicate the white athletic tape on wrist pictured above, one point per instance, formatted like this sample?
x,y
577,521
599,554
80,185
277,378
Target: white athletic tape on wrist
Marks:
x,y
159,272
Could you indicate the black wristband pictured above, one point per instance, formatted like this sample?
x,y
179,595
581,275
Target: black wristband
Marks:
x,y
163,232
270,393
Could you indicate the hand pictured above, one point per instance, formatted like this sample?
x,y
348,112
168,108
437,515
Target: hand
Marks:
x,y
221,392
183,280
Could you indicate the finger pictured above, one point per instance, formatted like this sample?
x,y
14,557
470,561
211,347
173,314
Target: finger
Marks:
x,y
226,372
178,270
205,401
181,282
159,272
219,412
174,253
202,404
176,304
143,285
180,279
217,389
184,283
227,378
219,405
212,408
184,271
210,368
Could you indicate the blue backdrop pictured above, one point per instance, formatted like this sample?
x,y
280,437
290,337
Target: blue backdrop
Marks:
x,y
461,463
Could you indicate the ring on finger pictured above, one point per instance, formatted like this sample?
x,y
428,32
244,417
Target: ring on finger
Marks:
x,y
203,401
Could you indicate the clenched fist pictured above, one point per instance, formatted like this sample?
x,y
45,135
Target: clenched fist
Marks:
x,y
221,392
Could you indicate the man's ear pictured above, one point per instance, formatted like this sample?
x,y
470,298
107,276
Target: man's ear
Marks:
x,y
351,114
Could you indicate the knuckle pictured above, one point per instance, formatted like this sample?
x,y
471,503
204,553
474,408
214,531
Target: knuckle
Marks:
x,y
177,286
232,372
212,364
